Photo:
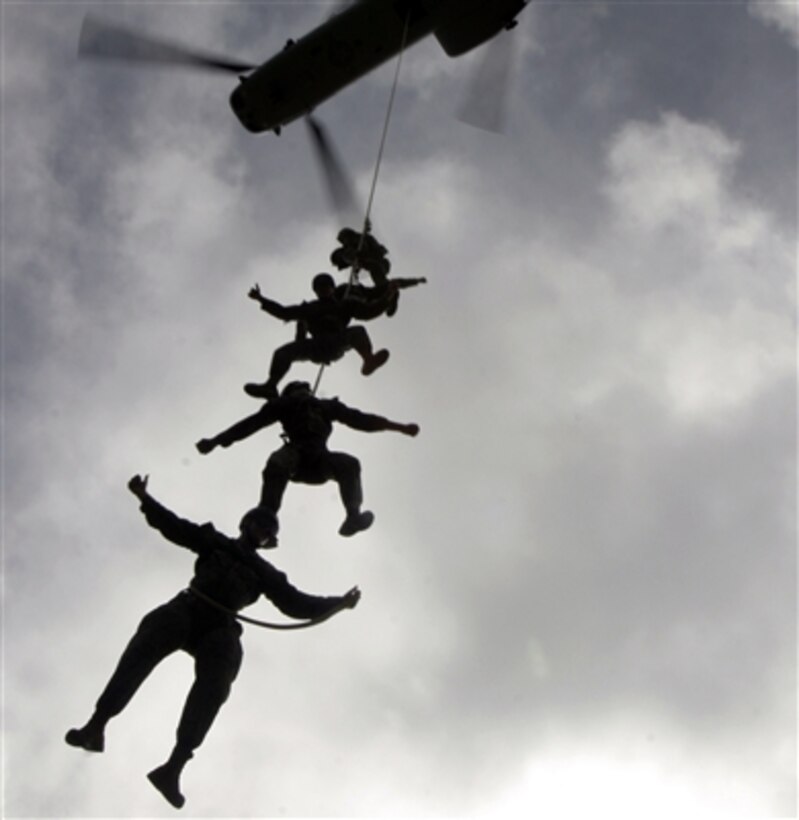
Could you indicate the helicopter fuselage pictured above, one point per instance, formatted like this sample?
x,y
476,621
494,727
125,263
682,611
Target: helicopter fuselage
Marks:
x,y
353,43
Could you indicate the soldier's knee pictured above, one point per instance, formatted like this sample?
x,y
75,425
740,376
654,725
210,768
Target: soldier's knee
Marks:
x,y
275,472
357,335
286,354
281,465
218,688
346,465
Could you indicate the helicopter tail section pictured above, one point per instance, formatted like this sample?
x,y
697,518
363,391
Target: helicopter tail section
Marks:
x,y
465,24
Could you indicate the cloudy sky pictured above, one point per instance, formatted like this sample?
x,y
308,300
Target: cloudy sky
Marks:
x,y
579,595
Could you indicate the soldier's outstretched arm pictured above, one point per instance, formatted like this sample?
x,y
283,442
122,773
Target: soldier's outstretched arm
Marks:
x,y
368,422
411,429
287,313
366,309
408,282
178,530
296,604
240,430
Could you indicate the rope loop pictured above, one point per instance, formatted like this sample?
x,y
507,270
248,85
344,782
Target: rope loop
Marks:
x,y
264,624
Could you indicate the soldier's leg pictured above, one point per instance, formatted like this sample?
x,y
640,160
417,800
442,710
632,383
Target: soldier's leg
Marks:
x,y
280,467
161,632
346,472
282,359
358,339
217,663
374,260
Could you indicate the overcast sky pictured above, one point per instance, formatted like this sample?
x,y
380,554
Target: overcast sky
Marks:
x,y
579,594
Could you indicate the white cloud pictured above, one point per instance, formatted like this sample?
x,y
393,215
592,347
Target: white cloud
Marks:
x,y
710,363
673,173
621,777
784,14
718,324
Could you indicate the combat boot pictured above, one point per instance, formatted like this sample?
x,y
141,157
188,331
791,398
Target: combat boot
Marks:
x,y
166,778
267,390
374,361
90,737
356,522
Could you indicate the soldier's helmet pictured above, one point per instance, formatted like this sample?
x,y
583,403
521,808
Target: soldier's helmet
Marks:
x,y
323,281
296,387
262,516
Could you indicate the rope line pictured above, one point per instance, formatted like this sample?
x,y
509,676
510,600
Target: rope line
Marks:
x,y
264,624
389,110
385,128
352,280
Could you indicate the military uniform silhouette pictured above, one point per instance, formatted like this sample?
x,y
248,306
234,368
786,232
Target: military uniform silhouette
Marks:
x,y
361,251
324,331
307,424
228,571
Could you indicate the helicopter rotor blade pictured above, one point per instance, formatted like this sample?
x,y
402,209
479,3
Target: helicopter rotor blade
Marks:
x,y
110,41
486,102
337,181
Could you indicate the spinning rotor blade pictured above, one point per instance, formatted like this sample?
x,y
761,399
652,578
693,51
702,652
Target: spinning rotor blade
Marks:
x,y
486,101
337,182
108,41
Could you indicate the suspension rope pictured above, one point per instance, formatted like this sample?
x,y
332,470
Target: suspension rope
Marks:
x,y
264,624
353,279
389,110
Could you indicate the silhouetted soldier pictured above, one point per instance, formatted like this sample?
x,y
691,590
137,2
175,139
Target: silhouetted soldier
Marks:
x,y
229,572
307,424
379,293
361,251
325,333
